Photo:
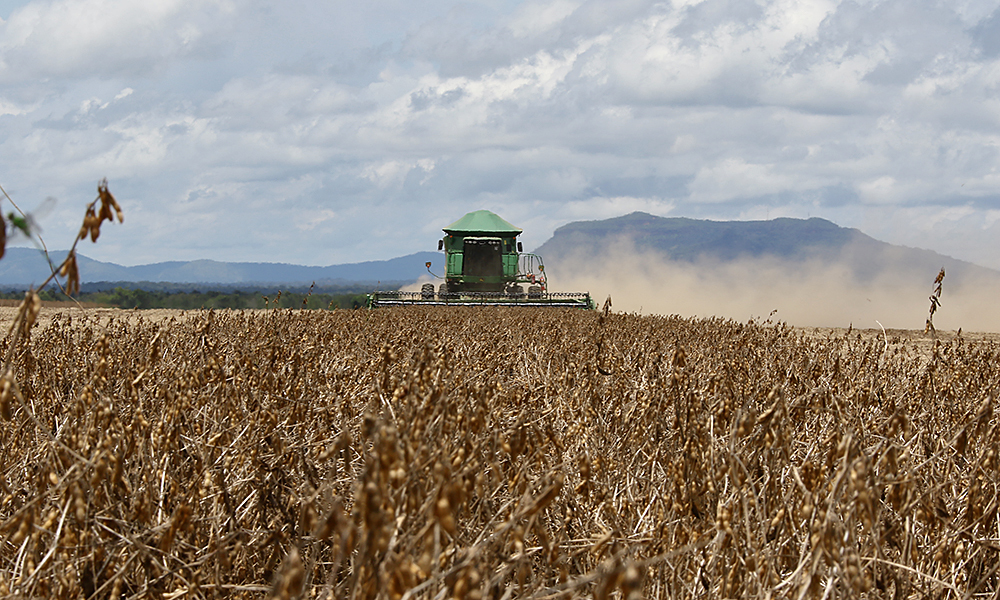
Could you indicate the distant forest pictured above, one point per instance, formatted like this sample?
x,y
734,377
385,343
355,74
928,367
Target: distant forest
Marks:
x,y
121,297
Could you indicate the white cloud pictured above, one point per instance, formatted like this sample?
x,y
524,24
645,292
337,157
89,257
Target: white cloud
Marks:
x,y
606,208
735,177
883,190
533,18
11,108
101,38
310,222
385,121
393,173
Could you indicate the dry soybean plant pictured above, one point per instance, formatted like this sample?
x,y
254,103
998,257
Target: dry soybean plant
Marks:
x,y
20,327
935,299
464,453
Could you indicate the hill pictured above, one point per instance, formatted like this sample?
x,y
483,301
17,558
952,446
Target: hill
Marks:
x,y
26,266
713,242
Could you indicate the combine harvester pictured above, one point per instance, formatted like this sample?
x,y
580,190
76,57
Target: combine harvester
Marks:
x,y
485,266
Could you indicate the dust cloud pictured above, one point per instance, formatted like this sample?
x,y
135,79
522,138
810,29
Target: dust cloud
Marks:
x,y
416,285
811,293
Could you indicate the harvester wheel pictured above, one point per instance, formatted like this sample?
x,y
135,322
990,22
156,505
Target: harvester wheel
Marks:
x,y
534,292
515,291
427,291
443,291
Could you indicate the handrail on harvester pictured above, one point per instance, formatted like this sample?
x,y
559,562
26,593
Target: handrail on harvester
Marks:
x,y
529,263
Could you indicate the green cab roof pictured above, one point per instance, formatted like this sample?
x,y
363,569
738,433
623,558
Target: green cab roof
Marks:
x,y
482,221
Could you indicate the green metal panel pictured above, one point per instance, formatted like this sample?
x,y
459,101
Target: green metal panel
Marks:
x,y
482,221
454,266
510,265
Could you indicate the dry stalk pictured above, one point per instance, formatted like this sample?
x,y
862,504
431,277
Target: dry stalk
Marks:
x,y
422,454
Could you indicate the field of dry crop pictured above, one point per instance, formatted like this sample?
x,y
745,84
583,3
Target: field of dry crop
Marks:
x,y
494,454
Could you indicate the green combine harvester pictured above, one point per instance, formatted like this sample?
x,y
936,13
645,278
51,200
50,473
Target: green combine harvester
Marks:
x,y
485,266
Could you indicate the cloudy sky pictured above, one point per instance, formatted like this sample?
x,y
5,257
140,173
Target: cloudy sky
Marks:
x,y
321,132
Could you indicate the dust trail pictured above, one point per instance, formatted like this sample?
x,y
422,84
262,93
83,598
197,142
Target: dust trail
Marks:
x,y
820,293
416,285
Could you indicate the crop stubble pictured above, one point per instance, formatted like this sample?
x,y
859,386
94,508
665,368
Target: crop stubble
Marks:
x,y
494,453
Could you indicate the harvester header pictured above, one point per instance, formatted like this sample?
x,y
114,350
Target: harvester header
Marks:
x,y
485,265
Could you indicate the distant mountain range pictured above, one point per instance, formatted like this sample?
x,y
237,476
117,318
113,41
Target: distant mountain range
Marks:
x,y
578,243
26,266
795,240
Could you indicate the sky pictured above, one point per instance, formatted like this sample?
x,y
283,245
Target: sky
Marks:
x,y
326,132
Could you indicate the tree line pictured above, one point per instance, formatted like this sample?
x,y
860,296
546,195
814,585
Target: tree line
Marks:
x,y
121,297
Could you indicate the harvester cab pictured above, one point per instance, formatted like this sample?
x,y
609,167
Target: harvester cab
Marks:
x,y
485,265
